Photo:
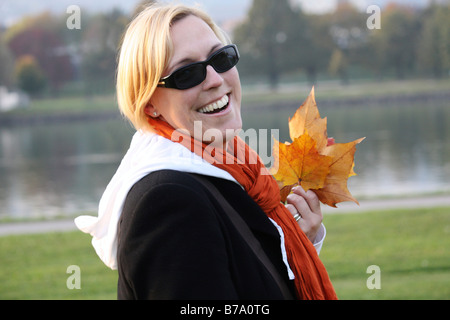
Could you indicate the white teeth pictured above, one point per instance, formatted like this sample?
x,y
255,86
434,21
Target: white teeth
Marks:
x,y
215,105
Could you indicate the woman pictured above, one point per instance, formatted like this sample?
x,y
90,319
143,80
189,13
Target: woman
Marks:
x,y
172,219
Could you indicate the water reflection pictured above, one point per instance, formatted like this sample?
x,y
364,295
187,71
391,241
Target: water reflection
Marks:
x,y
406,148
59,169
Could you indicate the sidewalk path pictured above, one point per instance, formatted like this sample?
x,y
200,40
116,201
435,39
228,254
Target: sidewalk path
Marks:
x,y
346,207
36,227
383,204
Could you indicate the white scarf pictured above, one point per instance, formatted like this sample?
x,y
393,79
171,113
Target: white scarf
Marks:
x,y
148,152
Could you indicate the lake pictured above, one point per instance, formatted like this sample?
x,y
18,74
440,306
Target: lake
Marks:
x,y
60,169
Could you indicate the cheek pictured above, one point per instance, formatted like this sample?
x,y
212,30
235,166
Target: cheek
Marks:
x,y
166,101
181,104
235,82
175,105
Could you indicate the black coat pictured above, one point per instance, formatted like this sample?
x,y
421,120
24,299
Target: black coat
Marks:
x,y
176,242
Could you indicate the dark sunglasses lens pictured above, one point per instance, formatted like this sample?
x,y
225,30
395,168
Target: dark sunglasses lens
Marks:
x,y
225,60
194,74
190,76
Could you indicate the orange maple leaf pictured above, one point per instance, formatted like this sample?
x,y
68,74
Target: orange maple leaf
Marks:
x,y
341,168
300,162
313,160
307,118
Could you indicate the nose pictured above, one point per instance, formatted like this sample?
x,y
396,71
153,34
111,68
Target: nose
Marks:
x,y
213,78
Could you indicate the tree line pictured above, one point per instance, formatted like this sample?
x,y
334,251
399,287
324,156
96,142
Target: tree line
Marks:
x,y
277,38
40,54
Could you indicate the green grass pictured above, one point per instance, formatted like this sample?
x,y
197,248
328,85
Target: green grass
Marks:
x,y
35,266
410,246
75,104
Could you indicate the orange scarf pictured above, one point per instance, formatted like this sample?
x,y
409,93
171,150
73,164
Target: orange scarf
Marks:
x,y
243,163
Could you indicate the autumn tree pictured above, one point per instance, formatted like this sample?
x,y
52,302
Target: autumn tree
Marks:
x,y
37,36
30,76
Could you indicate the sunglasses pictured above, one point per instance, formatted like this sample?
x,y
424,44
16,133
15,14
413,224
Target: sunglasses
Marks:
x,y
193,74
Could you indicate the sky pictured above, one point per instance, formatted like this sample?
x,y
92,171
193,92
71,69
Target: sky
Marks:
x,y
220,10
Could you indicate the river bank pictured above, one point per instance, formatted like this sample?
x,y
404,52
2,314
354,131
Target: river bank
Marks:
x,y
287,97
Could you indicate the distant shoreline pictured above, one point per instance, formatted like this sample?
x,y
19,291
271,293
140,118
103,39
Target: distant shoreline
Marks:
x,y
16,119
57,117
358,101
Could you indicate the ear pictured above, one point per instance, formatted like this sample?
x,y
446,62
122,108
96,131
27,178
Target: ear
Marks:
x,y
151,111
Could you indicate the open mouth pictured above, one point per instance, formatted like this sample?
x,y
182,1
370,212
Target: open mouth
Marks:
x,y
215,107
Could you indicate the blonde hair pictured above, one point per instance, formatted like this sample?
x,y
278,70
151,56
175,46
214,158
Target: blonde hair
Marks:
x,y
145,53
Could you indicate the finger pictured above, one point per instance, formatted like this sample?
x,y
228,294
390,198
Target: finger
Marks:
x,y
303,224
313,201
300,204
291,209
310,197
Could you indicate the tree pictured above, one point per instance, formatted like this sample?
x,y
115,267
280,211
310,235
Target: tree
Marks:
x,y
347,28
338,65
271,39
316,47
6,66
29,75
394,43
36,36
100,43
434,42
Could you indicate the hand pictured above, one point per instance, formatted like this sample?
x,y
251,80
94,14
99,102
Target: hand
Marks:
x,y
307,205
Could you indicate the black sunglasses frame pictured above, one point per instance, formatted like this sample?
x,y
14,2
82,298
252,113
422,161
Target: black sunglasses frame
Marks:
x,y
170,81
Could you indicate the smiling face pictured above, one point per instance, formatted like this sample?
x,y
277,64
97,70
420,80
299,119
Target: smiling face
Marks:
x,y
216,102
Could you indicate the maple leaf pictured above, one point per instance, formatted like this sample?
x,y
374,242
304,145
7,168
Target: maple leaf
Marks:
x,y
307,117
300,162
341,168
312,159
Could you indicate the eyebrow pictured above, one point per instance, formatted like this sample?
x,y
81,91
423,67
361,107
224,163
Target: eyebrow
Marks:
x,y
187,61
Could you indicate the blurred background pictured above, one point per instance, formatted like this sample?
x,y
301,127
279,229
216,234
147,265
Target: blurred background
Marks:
x,y
383,77
381,70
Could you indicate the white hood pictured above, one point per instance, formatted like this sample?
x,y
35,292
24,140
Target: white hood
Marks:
x,y
148,152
